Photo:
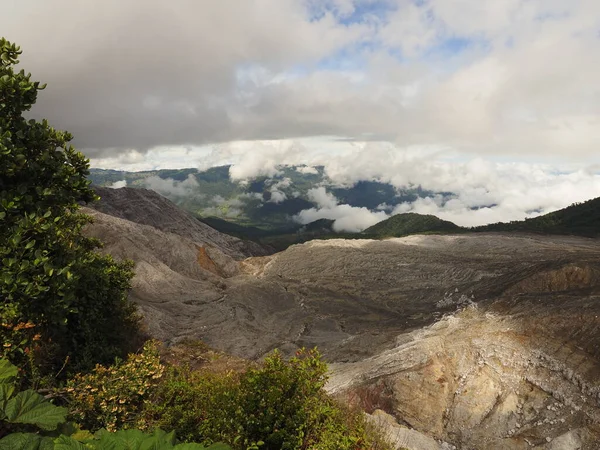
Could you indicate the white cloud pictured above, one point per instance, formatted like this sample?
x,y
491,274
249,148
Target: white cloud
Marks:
x,y
511,190
322,198
346,218
118,184
168,186
307,170
277,197
284,183
432,93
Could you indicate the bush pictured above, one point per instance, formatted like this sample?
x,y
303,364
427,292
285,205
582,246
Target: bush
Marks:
x,y
30,422
279,405
112,397
64,307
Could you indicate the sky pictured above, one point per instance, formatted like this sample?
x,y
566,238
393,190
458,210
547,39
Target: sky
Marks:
x,y
490,99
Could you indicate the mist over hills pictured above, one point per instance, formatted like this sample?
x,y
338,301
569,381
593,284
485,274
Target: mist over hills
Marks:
x,y
301,204
296,196
580,219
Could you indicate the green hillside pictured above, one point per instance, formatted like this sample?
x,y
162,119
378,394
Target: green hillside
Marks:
x,y
277,239
267,203
581,219
410,223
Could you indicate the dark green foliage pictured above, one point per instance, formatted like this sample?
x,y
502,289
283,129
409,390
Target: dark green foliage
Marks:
x,y
278,405
319,226
22,412
582,219
60,302
284,210
18,410
276,239
409,223
245,232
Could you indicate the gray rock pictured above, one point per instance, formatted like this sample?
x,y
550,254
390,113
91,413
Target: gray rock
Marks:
x,y
400,437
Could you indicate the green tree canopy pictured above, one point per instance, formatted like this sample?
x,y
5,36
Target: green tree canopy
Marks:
x,y
60,301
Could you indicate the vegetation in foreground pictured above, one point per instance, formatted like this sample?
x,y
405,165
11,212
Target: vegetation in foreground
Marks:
x,y
64,306
277,404
30,422
65,316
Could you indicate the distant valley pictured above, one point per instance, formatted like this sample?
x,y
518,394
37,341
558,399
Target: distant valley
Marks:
x,y
263,207
267,210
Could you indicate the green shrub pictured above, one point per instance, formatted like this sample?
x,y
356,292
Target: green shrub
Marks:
x,y
64,307
278,405
112,397
30,422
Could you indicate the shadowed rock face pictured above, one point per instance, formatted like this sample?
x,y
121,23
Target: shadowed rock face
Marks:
x,y
483,341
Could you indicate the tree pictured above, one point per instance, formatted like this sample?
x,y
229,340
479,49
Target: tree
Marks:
x,y
61,303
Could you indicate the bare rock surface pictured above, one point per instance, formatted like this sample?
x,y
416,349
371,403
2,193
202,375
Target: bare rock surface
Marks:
x,y
147,207
401,437
483,341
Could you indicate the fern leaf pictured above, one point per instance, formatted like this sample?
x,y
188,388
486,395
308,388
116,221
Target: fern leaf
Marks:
x,y
158,441
106,441
29,407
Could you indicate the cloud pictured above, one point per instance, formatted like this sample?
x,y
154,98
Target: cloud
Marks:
x,y
168,186
346,218
525,192
118,184
307,170
277,197
495,102
322,198
512,77
276,189
490,189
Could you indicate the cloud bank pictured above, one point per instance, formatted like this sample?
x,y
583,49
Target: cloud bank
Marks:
x,y
485,189
118,184
511,77
496,102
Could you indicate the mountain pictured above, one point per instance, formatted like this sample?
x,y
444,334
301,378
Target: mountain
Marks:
x,y
277,239
146,207
410,223
481,340
581,219
269,203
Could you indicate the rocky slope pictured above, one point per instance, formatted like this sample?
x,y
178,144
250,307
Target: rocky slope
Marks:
x,y
483,341
146,207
